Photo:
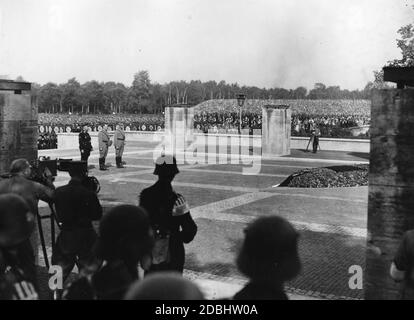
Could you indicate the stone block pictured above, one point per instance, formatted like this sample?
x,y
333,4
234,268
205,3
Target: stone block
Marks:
x,y
276,123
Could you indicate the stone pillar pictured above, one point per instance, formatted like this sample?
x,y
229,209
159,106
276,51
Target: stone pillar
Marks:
x,y
18,130
179,128
391,186
18,123
276,123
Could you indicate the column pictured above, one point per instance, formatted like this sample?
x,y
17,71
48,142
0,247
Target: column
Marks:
x,y
276,123
391,186
18,123
179,129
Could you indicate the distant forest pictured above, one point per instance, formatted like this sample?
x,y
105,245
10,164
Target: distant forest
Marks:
x,y
143,96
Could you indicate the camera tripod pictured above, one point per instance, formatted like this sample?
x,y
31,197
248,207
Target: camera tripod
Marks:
x,y
53,221
311,141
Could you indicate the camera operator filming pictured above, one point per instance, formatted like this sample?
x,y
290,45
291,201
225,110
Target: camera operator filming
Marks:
x,y
76,207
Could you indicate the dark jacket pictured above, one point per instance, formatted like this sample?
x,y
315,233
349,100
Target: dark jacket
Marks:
x,y
110,282
256,291
159,201
85,141
29,190
76,206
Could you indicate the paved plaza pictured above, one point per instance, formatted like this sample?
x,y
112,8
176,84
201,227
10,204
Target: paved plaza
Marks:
x,y
332,222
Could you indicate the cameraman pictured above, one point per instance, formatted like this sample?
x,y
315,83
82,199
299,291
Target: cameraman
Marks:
x,y
76,208
32,192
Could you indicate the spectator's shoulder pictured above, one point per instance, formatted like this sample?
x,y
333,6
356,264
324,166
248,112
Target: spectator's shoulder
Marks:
x,y
147,191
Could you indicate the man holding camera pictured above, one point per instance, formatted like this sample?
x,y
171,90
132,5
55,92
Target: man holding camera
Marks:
x,y
76,208
316,133
31,192
104,143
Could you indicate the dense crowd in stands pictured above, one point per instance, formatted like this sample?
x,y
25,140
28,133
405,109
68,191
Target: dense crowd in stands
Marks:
x,y
74,122
299,106
333,117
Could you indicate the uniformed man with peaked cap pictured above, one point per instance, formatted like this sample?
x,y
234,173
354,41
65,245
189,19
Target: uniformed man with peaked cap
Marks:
x,y
104,143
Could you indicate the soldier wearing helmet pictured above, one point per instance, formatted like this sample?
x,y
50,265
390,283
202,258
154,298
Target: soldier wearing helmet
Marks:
x,y
170,218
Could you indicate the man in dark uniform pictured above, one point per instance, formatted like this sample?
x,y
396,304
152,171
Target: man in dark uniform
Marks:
x,y
104,143
76,208
85,144
170,218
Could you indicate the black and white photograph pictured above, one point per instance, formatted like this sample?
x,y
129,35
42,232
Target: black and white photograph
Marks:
x,y
222,153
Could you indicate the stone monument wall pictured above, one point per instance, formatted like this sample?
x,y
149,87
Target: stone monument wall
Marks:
x,y
18,123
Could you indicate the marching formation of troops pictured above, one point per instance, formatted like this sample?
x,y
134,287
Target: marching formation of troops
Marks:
x,y
104,142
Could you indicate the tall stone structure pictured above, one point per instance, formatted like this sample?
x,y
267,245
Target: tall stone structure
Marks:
x,y
276,126
179,128
391,186
18,123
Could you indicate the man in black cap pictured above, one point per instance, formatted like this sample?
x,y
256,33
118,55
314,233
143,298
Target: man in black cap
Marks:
x,y
76,208
170,218
85,144
16,225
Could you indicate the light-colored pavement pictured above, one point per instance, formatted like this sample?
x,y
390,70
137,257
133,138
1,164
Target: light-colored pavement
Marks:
x,y
223,200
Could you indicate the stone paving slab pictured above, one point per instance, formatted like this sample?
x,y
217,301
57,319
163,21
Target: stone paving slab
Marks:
x,y
339,212
324,270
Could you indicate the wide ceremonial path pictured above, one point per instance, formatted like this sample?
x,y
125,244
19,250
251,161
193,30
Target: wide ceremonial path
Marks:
x,y
332,222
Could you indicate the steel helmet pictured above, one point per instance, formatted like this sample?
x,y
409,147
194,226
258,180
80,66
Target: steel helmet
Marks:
x,y
166,165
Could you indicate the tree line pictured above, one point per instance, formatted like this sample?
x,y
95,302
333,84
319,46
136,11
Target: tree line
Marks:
x,y
143,96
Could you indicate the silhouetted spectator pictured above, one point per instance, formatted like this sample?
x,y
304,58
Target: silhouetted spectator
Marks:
x,y
170,218
125,236
402,268
31,192
16,226
164,286
269,257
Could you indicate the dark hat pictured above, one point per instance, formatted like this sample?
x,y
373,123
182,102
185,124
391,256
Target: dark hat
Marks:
x,y
270,239
164,286
166,165
77,168
16,220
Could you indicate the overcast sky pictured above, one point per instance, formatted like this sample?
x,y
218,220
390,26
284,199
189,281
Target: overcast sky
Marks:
x,y
267,43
